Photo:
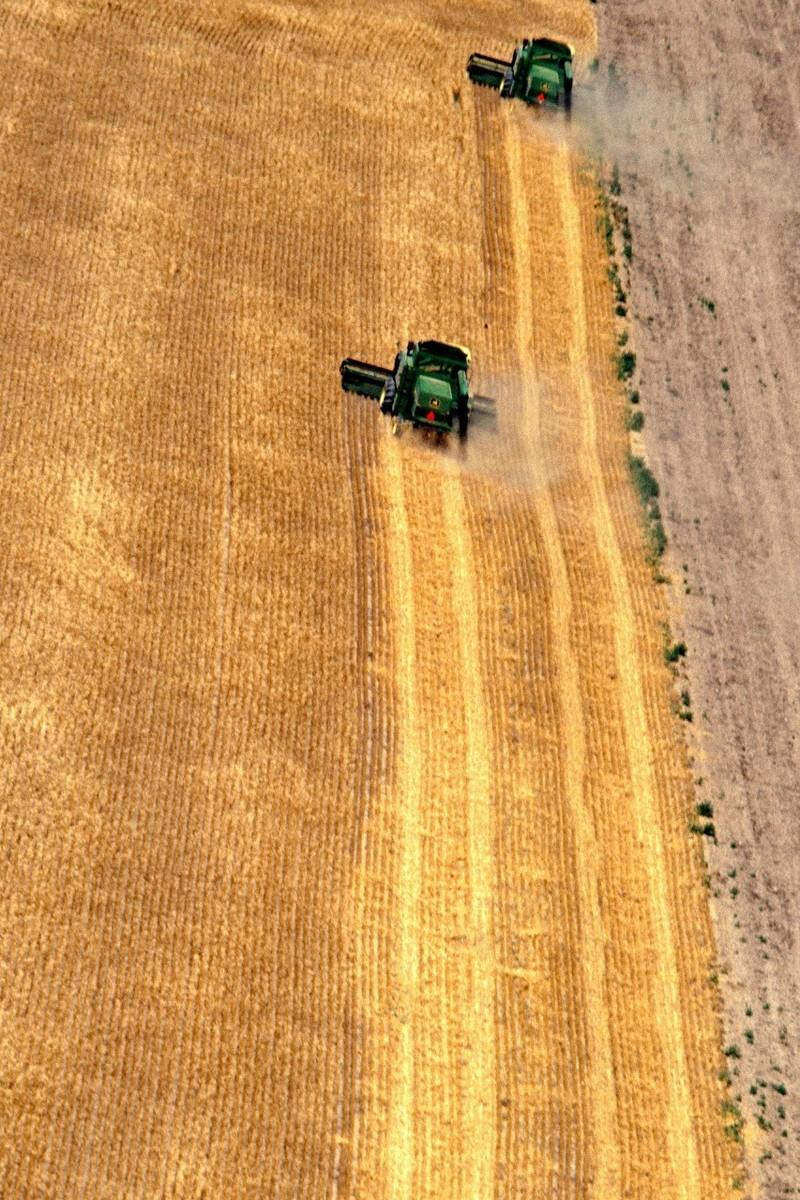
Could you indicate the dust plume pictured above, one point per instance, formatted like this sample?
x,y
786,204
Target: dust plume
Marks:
x,y
498,450
672,141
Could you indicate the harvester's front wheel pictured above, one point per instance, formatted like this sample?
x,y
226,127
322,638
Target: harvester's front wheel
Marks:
x,y
387,399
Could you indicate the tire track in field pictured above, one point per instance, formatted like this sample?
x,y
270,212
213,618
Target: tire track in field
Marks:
x,y
690,928
400,1147
639,1055
480,1110
679,1131
607,1165
441,1125
367,943
544,1141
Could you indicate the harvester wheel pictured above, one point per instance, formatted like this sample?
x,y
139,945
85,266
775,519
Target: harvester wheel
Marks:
x,y
389,390
568,95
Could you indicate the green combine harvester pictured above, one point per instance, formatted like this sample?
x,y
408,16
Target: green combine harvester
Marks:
x,y
540,72
428,386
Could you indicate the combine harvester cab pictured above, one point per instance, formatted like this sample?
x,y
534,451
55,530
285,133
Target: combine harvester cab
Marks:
x,y
540,72
427,386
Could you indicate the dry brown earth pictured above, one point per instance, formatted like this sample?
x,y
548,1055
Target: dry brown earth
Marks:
x,y
344,834
708,138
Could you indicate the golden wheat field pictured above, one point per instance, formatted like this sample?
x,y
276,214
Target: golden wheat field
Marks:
x,y
344,822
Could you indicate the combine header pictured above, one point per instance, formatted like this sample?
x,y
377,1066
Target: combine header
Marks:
x,y
427,386
540,72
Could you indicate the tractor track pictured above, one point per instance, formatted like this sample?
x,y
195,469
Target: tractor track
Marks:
x,y
345,852
587,923
666,992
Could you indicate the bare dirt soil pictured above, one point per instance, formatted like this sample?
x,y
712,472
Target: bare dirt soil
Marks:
x,y
706,130
344,833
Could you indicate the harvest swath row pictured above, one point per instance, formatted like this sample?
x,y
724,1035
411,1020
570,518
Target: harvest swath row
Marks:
x,y
344,814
